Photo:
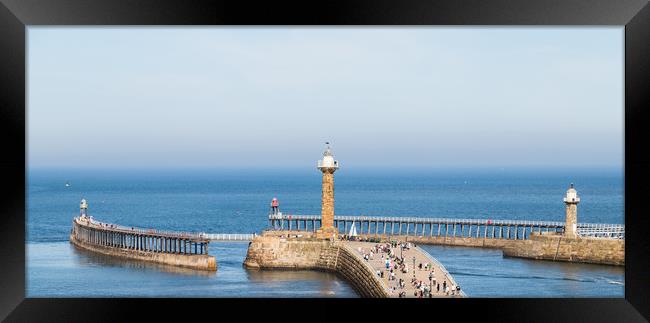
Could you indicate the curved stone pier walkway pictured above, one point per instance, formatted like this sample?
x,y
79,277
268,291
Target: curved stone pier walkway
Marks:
x,y
378,263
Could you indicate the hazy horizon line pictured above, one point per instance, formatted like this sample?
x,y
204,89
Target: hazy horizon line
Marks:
x,y
343,167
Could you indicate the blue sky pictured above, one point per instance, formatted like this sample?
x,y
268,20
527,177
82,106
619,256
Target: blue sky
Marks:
x,y
269,97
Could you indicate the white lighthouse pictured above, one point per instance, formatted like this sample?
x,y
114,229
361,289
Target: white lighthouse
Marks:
x,y
83,207
571,200
327,166
328,160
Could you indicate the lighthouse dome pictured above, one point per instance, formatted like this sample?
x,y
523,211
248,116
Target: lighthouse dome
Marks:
x,y
571,195
328,159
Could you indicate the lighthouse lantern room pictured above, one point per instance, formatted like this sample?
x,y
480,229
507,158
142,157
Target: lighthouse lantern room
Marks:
x,y
83,208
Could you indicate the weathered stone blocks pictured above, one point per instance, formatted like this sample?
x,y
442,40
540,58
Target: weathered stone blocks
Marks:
x,y
269,251
564,248
545,246
327,229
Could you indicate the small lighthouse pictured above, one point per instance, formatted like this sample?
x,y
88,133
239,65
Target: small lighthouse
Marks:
x,y
327,166
571,200
83,207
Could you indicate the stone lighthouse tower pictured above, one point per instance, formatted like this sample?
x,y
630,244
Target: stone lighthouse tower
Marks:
x,y
83,207
571,200
328,166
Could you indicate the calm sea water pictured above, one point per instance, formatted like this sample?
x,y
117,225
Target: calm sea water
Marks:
x,y
237,201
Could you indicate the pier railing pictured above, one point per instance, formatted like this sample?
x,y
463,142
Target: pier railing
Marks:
x,y
230,236
425,226
616,231
92,232
172,234
144,231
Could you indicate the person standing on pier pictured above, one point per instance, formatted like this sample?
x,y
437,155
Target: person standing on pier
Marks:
x,y
275,206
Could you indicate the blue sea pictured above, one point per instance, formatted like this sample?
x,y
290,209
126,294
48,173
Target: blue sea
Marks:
x,y
237,201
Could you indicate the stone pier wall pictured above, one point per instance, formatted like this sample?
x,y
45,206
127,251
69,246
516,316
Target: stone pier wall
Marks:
x,y
359,274
269,251
549,246
198,262
561,248
461,241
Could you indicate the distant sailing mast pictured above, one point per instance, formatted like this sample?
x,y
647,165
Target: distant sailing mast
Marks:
x,y
353,230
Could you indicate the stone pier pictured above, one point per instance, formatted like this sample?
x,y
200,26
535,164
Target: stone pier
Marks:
x,y
300,250
558,247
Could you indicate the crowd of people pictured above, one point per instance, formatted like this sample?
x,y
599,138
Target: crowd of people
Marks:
x,y
391,255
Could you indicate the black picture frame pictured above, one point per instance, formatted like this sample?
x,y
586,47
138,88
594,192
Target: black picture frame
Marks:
x,y
16,15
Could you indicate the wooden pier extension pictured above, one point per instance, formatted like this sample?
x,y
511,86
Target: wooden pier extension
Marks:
x,y
189,250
